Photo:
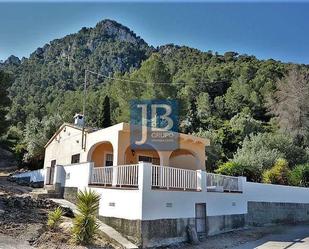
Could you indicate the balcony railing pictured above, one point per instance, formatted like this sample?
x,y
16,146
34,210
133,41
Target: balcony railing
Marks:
x,y
173,178
117,176
223,183
127,175
102,175
163,177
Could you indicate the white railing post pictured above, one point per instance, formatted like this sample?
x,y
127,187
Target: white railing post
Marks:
x,y
115,176
91,166
167,171
241,182
144,175
161,176
199,180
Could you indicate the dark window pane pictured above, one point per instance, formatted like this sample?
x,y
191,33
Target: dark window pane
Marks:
x,y
75,158
109,160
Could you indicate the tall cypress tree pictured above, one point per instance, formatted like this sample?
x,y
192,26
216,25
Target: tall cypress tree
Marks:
x,y
105,115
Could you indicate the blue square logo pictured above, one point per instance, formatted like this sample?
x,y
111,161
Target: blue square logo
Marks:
x,y
154,124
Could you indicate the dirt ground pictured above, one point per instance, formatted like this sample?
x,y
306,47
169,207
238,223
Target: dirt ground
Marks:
x,y
23,222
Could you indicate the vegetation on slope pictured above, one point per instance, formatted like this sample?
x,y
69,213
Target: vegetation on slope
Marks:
x,y
254,111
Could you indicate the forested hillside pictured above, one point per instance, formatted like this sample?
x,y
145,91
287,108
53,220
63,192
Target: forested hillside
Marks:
x,y
256,112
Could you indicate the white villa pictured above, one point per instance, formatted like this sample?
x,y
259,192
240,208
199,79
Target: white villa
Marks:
x,y
151,196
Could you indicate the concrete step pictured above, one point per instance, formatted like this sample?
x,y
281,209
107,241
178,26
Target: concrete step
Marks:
x,y
49,187
43,193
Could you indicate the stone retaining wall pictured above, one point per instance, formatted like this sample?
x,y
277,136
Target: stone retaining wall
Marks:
x,y
224,223
70,194
150,233
263,213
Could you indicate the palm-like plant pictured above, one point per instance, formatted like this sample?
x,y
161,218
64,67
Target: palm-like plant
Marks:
x,y
54,218
85,225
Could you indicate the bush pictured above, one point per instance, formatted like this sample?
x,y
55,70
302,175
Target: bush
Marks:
x,y
85,226
234,169
278,174
299,176
54,218
263,150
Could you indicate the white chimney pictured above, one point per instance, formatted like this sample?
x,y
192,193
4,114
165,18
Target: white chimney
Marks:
x,y
79,119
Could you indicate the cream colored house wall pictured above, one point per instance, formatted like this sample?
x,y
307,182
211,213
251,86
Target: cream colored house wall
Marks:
x,y
65,144
68,142
183,162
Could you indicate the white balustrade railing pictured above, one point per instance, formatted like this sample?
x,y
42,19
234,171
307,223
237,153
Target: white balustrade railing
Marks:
x,y
102,175
118,176
216,182
173,178
127,175
163,177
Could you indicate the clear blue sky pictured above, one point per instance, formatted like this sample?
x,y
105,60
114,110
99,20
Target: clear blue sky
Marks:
x,y
266,30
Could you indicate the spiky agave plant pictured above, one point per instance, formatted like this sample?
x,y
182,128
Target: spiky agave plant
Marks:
x,y
54,218
85,226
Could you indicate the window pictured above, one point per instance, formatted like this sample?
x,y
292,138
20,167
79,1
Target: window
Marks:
x,y
149,159
109,160
75,158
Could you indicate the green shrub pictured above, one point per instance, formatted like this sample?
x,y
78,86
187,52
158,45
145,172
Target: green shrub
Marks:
x,y
278,174
264,149
235,169
299,176
85,226
54,218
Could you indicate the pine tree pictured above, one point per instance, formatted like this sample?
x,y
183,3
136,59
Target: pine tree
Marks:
x,y
4,101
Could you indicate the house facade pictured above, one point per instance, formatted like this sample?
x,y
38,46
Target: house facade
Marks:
x,y
111,146
151,196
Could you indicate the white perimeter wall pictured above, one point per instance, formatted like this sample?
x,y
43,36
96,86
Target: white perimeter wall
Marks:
x,y
150,204
74,175
163,204
275,193
35,175
118,203
125,204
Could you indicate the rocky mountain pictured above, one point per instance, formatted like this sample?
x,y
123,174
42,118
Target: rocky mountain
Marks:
x,y
59,65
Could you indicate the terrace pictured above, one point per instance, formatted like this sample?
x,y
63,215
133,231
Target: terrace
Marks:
x,y
163,178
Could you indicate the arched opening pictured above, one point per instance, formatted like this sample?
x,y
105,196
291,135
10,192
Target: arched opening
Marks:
x,y
184,159
133,156
101,154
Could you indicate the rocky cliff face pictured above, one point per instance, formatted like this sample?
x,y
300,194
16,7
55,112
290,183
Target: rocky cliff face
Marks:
x,y
91,41
60,65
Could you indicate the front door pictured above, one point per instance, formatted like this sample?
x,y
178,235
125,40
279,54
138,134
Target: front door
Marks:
x,y
51,172
200,218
